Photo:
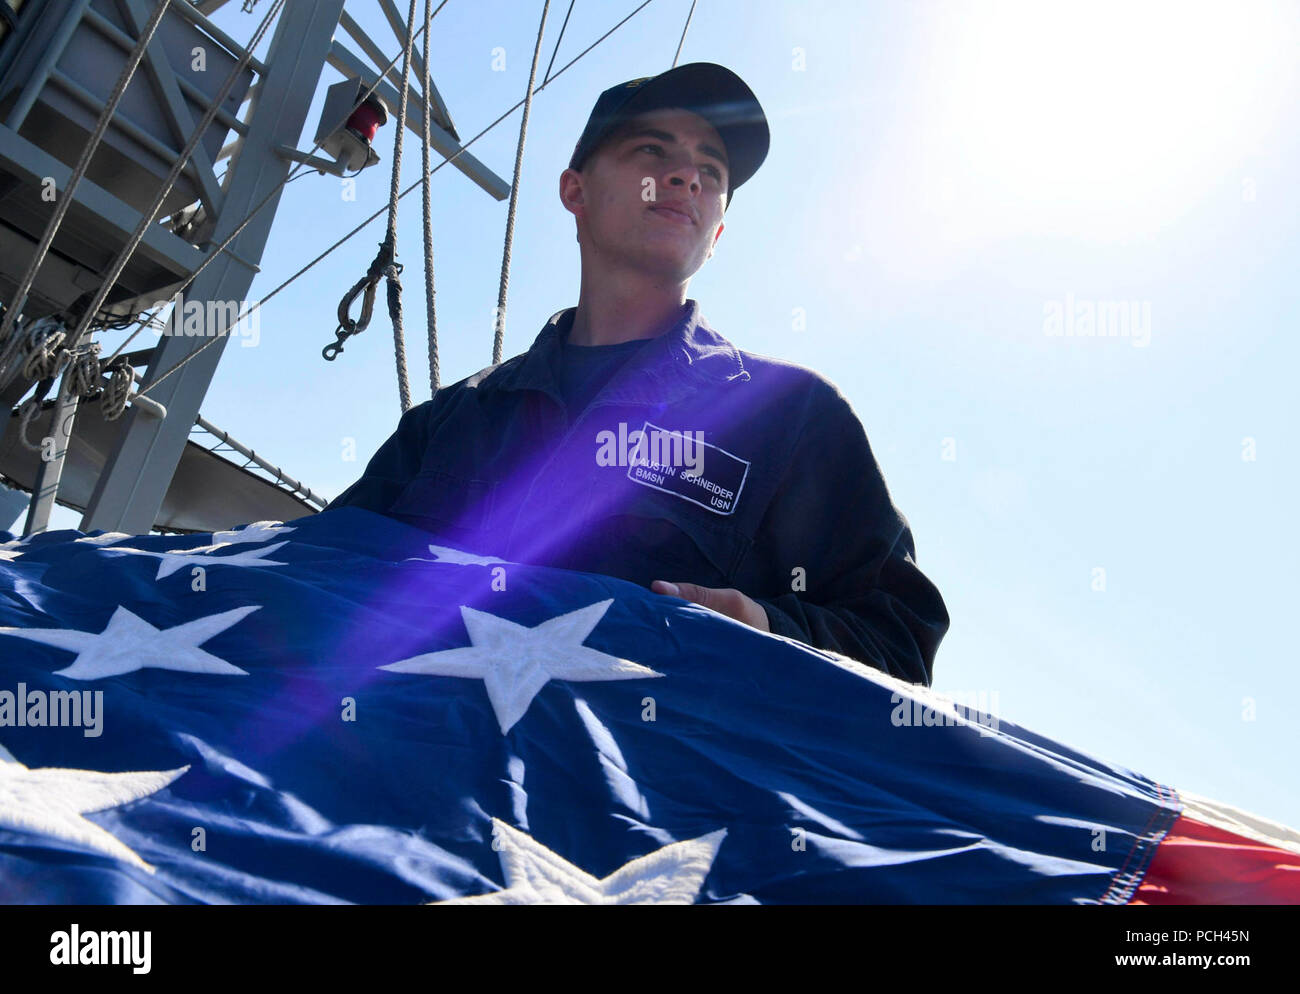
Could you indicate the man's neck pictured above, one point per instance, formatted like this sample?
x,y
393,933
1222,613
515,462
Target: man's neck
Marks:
x,y
614,311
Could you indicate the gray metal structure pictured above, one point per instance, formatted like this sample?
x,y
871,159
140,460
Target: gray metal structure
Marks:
x,y
56,69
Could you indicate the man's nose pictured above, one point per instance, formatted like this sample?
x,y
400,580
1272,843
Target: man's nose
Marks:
x,y
686,174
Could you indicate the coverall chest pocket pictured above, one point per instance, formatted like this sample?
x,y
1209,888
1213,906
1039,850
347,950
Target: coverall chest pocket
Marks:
x,y
458,508
653,538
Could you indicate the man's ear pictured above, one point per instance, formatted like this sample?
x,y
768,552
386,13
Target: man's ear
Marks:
x,y
571,195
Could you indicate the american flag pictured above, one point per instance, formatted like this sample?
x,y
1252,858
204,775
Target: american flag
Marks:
x,y
338,709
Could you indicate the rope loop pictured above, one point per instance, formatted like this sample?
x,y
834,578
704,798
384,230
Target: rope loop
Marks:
x,y
84,375
46,357
118,391
26,413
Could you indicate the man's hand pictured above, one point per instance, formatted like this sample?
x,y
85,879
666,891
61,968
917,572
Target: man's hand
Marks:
x,y
724,600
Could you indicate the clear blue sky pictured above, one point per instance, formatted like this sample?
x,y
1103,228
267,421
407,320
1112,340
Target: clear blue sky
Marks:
x,y
943,179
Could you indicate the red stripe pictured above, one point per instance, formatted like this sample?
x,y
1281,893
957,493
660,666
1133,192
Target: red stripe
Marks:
x,y
1199,864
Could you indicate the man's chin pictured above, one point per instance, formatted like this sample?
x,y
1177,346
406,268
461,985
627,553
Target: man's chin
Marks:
x,y
670,267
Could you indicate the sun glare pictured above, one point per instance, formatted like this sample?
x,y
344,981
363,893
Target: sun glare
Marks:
x,y
1083,110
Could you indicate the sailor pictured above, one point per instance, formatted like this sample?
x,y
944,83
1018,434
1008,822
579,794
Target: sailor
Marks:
x,y
782,519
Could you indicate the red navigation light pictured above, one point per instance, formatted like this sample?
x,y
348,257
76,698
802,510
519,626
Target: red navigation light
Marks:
x,y
367,118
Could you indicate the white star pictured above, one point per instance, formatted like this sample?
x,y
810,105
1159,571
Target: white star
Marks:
x,y
130,643
170,562
12,550
536,875
446,554
258,531
104,539
515,662
51,801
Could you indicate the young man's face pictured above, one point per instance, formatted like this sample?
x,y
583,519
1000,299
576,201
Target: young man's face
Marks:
x,y
622,198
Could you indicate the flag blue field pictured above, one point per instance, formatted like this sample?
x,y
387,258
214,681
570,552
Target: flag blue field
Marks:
x,y
338,709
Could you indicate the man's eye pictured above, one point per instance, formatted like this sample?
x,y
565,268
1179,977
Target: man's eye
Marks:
x,y
713,171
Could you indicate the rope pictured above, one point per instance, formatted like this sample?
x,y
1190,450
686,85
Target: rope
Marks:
x,y
689,14
364,224
46,359
44,350
118,391
430,312
30,409
84,372
80,379
19,298
499,340
392,270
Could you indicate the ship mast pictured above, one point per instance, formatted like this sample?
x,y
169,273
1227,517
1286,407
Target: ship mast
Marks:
x,y
54,59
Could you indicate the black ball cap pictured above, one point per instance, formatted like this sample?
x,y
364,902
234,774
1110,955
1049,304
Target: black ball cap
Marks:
x,y
714,92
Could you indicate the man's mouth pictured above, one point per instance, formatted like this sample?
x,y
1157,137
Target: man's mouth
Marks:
x,y
673,215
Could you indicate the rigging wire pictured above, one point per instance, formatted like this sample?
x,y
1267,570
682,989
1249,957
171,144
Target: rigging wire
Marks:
x,y
446,159
685,27
556,51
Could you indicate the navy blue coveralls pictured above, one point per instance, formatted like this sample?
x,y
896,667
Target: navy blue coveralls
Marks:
x,y
789,505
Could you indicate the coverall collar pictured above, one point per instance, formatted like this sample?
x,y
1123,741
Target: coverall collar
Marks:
x,y
689,356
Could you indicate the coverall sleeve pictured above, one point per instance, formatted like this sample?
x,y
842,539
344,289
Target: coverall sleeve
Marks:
x,y
866,598
392,466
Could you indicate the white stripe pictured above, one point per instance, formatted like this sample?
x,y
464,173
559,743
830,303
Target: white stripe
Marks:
x,y
1224,816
